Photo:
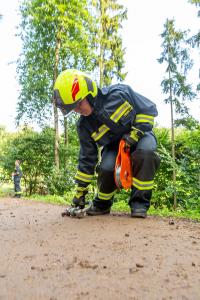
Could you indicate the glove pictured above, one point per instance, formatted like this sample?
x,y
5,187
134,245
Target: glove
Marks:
x,y
133,137
79,198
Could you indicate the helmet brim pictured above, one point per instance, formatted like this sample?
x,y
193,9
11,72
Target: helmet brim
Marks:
x,y
65,108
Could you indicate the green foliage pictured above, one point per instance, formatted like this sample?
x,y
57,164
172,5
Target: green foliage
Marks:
x,y
187,167
35,150
109,16
194,41
54,199
163,180
166,212
188,156
52,33
176,57
6,189
189,122
5,175
59,181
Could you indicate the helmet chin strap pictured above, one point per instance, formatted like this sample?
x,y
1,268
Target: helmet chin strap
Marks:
x,y
90,100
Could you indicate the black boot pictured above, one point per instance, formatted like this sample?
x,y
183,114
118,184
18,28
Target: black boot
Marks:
x,y
17,196
139,212
96,211
100,207
139,203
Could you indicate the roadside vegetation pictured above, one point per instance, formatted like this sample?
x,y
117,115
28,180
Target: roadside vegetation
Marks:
x,y
86,35
42,182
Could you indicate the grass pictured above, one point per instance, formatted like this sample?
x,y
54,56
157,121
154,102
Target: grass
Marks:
x,y
178,213
53,199
162,212
6,190
120,206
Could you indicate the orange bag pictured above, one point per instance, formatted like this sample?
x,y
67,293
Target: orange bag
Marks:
x,y
123,167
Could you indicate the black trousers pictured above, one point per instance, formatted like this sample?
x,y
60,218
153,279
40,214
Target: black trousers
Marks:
x,y
17,187
145,162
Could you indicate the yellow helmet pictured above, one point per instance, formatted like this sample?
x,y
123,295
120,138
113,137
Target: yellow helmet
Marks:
x,y
71,87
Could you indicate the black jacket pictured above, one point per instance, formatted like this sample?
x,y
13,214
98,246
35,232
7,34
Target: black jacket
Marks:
x,y
116,109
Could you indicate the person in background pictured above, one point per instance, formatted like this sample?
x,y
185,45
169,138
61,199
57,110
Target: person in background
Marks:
x,y
107,116
17,175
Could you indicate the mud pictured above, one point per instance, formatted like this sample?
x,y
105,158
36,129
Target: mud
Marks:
x,y
44,256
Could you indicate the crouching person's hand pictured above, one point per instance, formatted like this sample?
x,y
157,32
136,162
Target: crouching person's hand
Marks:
x,y
133,137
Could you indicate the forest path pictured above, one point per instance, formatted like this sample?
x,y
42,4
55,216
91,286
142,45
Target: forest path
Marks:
x,y
44,256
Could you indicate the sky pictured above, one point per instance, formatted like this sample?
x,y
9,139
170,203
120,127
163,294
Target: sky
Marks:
x,y
141,38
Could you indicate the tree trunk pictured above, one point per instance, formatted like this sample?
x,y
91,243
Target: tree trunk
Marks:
x,y
55,110
101,59
101,54
66,141
173,147
173,156
30,187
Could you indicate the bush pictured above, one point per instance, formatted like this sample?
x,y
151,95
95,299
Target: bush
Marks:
x,y
59,181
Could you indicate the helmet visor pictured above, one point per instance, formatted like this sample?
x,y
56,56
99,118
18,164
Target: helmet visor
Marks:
x,y
65,108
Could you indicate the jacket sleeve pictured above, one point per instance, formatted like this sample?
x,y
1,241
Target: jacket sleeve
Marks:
x,y
88,157
146,111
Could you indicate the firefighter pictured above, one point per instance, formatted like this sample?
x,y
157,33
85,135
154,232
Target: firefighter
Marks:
x,y
108,115
17,175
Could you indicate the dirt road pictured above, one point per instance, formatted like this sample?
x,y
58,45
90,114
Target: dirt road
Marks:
x,y
44,256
